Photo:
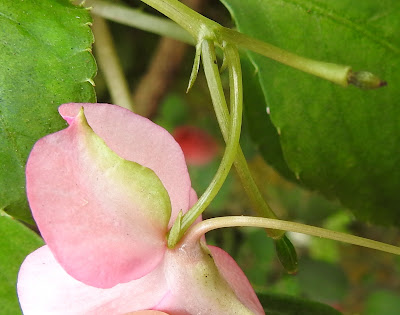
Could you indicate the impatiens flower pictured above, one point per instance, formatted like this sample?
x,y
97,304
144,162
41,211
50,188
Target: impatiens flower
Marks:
x,y
197,145
104,192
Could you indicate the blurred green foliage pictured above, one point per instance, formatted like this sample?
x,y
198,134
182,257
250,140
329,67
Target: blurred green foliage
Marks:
x,y
16,242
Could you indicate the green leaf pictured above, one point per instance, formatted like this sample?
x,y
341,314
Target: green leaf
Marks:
x,y
343,142
261,129
16,242
279,304
323,281
45,60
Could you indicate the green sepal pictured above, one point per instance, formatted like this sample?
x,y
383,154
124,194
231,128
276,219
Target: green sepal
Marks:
x,y
196,66
174,233
287,254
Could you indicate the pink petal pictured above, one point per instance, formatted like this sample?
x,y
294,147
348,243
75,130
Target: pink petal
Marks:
x,y
104,218
45,288
197,145
137,139
200,285
238,281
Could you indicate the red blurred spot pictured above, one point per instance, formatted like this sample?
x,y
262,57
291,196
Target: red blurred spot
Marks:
x,y
198,146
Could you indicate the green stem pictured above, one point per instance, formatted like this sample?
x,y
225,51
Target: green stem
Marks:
x,y
286,254
250,187
338,74
140,20
199,26
109,63
194,234
235,85
223,117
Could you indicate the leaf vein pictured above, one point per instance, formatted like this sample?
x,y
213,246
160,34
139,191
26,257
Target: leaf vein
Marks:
x,y
8,18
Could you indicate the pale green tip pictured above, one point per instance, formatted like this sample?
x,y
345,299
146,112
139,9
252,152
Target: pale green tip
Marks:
x,y
365,80
195,69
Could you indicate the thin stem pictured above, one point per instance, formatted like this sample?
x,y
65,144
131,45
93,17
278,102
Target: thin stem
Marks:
x,y
205,226
235,84
338,74
223,117
250,187
109,63
205,28
190,20
140,20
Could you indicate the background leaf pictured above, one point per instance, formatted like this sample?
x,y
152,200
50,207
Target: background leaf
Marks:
x,y
16,242
45,60
343,142
324,282
258,121
277,304
383,302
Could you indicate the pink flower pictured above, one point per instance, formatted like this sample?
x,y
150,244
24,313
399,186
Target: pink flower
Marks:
x,y
104,193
